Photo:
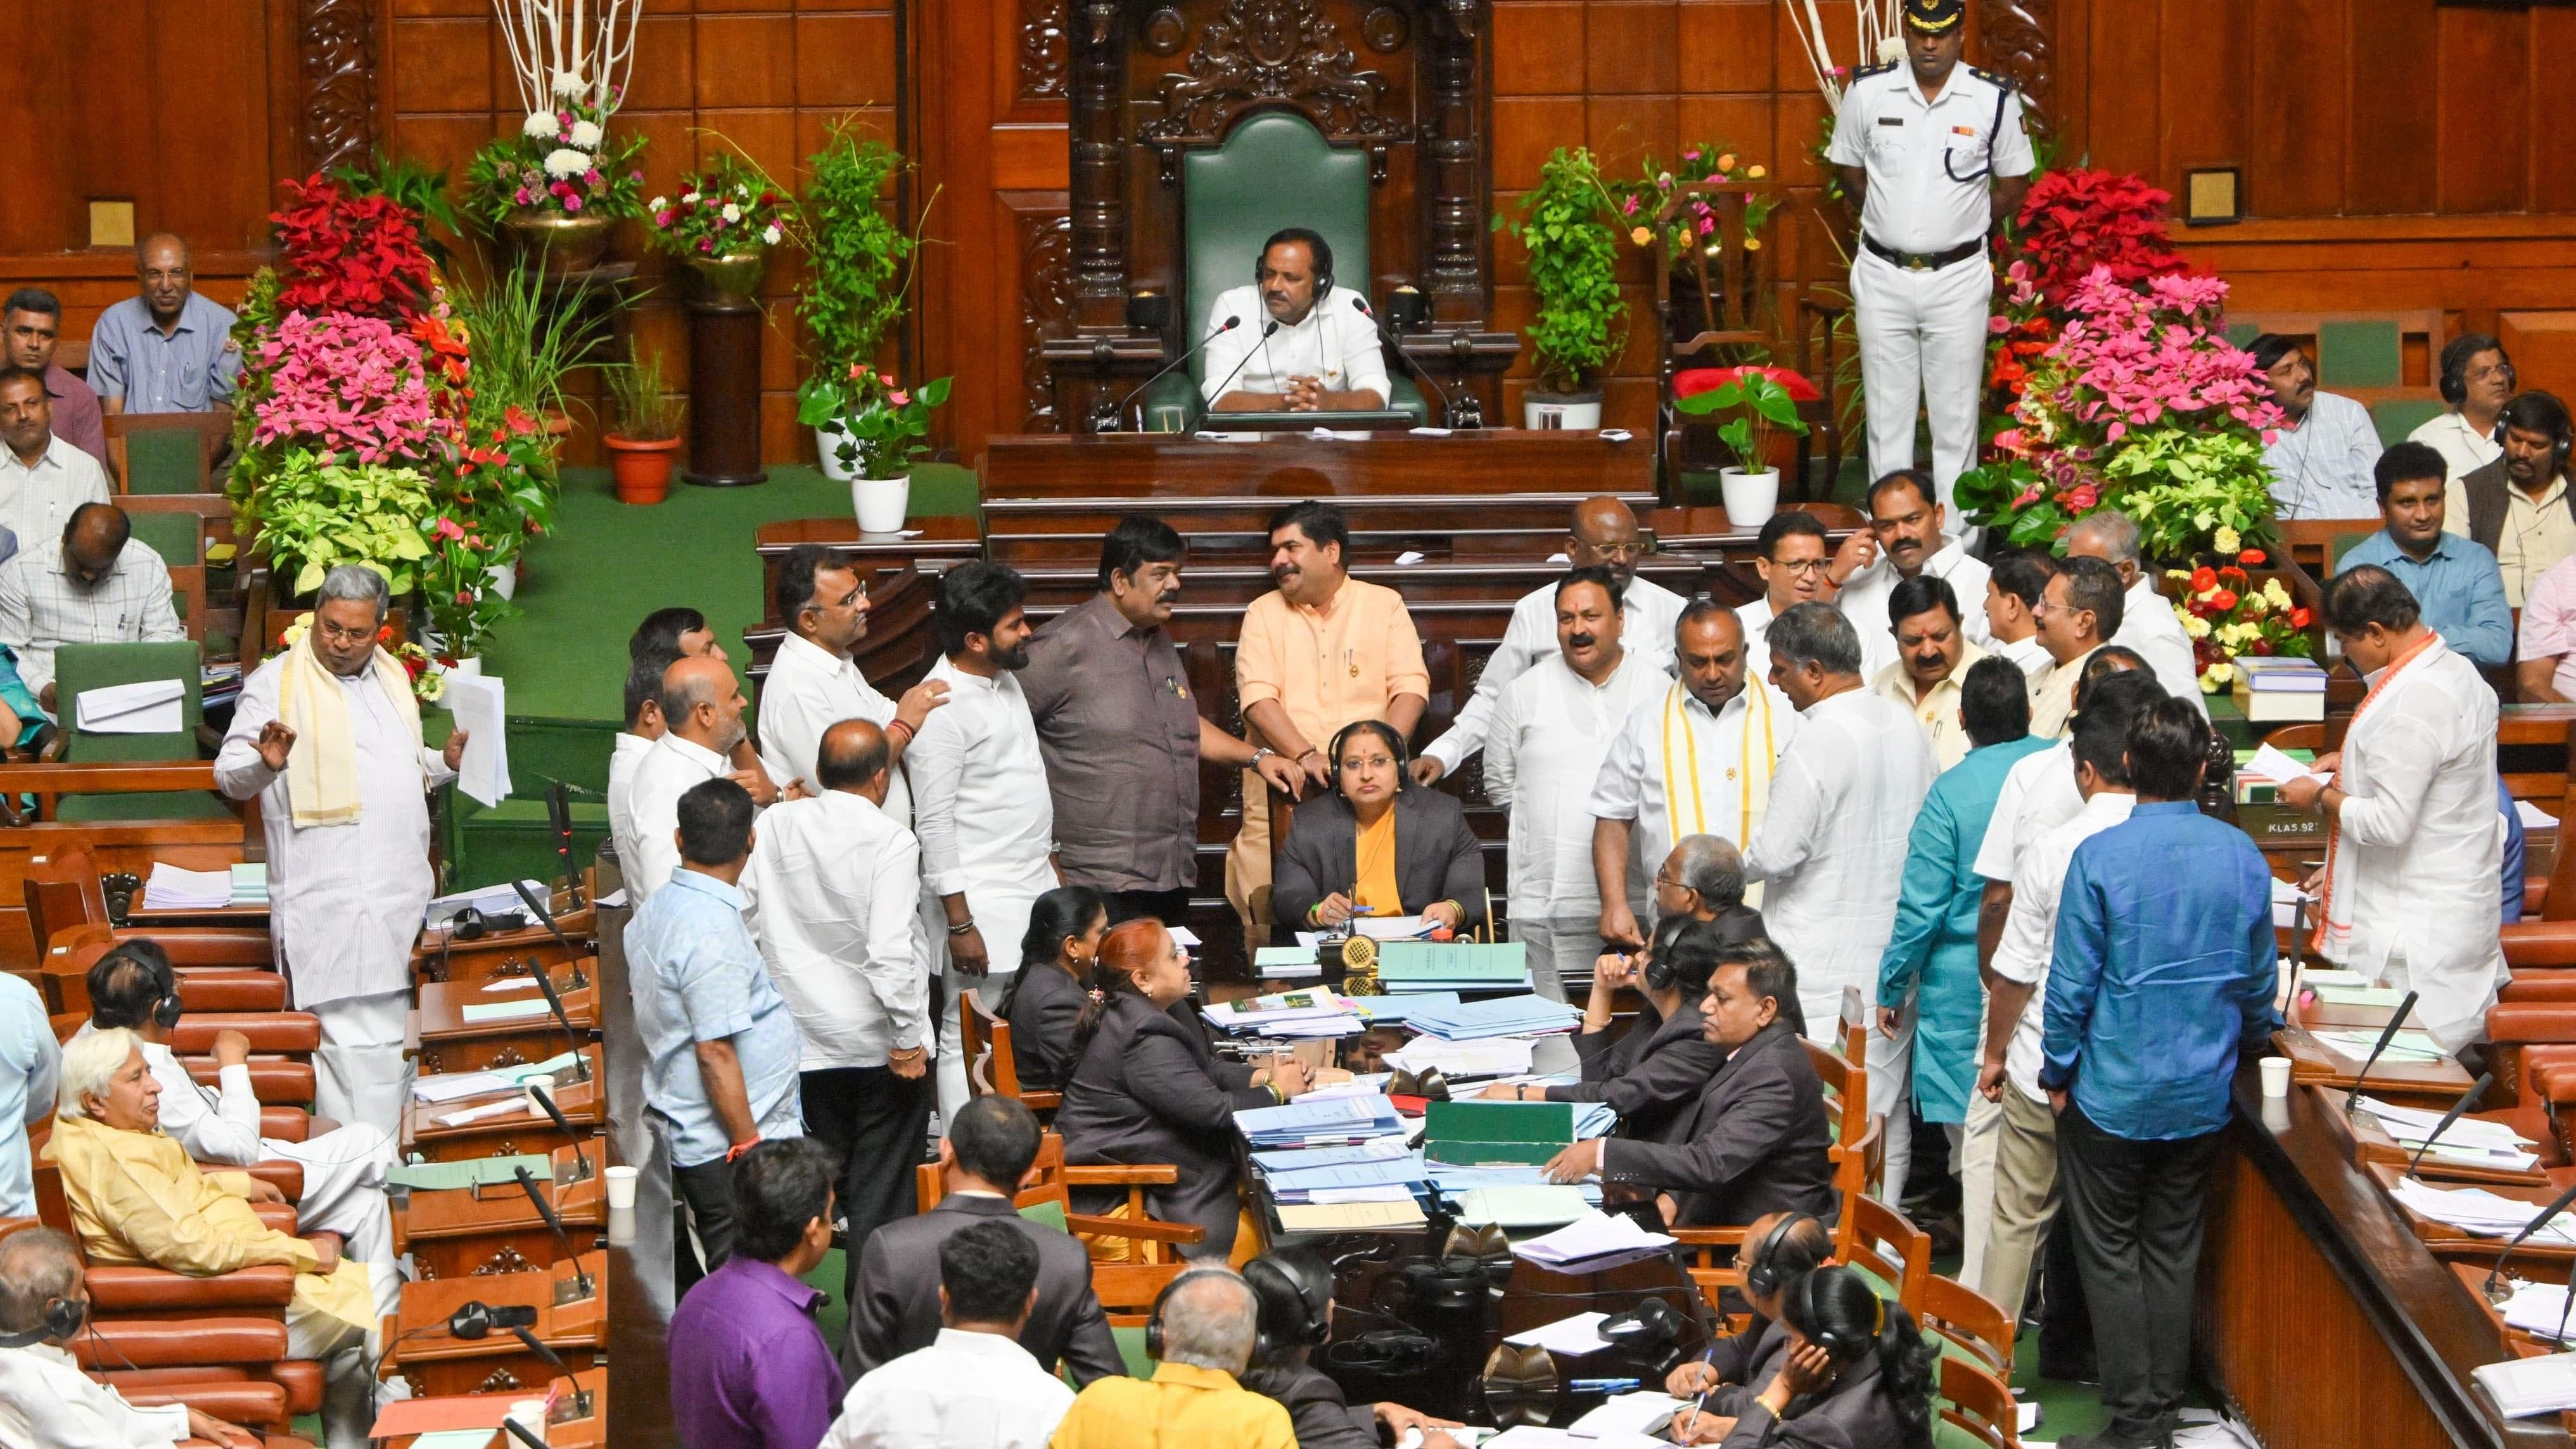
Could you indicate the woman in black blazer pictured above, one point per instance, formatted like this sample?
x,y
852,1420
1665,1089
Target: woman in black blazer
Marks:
x,y
1047,994
1148,1090
1652,1075
1334,863
1859,1375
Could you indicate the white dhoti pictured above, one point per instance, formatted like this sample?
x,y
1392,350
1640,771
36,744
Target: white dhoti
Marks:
x,y
1558,950
349,1356
361,1074
1001,917
344,1187
1922,339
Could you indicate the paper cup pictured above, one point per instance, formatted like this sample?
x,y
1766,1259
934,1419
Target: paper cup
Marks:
x,y
541,1082
2276,1076
530,1414
621,1187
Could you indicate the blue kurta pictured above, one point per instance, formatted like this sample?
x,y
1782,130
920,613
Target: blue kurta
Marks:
x,y
1936,927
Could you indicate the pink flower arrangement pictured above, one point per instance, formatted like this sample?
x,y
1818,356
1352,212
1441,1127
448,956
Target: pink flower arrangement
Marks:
x,y
344,383
2133,359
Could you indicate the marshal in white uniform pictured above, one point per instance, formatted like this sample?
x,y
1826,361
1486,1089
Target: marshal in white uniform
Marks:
x,y
1920,281
1333,342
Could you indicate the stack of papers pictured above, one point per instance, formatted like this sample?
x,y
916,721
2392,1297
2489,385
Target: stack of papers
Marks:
x,y
1534,1436
1383,1009
1376,1179
1499,1016
1525,1207
174,889
1406,966
1315,1013
2523,1386
1638,1413
1507,1056
250,884
1285,963
147,707
2407,1048
2484,1214
1593,1243
2469,1139
2539,1309
1351,1217
1333,1121
1574,1337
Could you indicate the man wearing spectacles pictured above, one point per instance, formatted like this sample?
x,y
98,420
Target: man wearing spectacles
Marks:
x,y
1797,567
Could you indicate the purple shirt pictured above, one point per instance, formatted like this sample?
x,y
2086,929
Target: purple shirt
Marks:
x,y
748,1366
78,420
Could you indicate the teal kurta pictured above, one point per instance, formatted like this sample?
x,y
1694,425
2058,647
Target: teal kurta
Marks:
x,y
1935,944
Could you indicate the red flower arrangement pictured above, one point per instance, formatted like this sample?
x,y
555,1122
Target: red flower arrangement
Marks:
x,y
2228,616
1692,381
343,253
2074,221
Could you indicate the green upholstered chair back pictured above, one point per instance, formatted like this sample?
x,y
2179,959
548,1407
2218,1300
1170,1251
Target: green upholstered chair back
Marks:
x,y
1274,171
2398,417
80,667
176,537
164,460
2362,353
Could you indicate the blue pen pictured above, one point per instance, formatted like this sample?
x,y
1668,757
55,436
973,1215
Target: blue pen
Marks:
x,y
1602,1386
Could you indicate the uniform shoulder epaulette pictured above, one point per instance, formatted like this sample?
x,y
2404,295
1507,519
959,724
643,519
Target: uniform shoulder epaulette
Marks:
x,y
2001,82
1882,68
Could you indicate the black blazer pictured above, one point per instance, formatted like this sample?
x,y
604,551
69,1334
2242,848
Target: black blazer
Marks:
x,y
1043,1004
1150,1090
1322,1417
1436,857
1753,1142
1648,1076
1851,1413
896,1307
1745,1363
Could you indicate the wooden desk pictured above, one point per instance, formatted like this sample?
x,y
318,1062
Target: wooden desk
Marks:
x,y
457,1232
450,1043
2407,1084
566,1428
439,957
1290,466
437,1362
509,1134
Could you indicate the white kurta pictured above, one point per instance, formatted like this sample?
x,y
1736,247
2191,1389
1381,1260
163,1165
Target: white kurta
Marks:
x,y
2419,845
1865,594
2149,626
651,850
1332,342
2039,795
809,690
345,900
1647,617
623,757
1674,755
1877,649
46,1402
1550,735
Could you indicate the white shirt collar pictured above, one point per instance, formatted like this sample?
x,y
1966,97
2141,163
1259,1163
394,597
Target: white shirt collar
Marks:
x,y
815,654
2111,804
693,752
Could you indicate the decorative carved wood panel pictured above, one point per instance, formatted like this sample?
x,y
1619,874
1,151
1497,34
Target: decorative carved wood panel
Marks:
x,y
336,117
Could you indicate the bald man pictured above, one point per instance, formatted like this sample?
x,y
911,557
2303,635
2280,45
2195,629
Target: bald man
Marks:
x,y
835,902
1604,534
94,585
702,717
167,349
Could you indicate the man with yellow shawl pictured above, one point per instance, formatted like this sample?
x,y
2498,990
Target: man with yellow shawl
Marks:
x,y
327,734
137,1201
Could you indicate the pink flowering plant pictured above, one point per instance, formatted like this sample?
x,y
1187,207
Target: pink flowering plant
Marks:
x,y
881,422
561,160
730,207
1642,200
344,384
2139,403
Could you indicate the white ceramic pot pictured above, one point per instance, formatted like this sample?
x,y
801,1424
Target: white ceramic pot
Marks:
x,y
468,668
1553,412
503,579
1751,498
827,448
881,503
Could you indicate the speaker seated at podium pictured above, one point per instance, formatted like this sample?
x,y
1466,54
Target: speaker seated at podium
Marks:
x,y
1303,347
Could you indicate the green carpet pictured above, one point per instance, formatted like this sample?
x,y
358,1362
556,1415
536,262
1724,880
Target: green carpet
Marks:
x,y
608,564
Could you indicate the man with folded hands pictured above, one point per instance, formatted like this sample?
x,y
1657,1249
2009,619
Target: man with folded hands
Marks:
x,y
137,1201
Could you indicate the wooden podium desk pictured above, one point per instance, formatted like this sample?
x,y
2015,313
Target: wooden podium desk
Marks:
x,y
2435,1085
450,1043
440,957
1290,466
506,1134
566,1426
2322,1317
459,1232
574,1326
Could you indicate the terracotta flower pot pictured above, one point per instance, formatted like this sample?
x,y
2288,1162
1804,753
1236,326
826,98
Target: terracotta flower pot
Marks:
x,y
642,469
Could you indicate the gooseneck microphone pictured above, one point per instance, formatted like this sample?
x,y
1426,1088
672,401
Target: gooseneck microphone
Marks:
x,y
580,1280
581,1159
2468,1098
1267,329
2556,1206
2387,1034
1461,412
1110,417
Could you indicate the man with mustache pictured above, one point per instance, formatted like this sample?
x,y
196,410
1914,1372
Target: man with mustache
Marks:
x,y
2520,506
987,831
814,683
1905,541
1933,658
1301,347
1322,651
1122,735
1797,567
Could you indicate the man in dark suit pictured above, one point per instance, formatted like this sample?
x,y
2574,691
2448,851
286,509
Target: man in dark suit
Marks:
x,y
1756,1140
896,1307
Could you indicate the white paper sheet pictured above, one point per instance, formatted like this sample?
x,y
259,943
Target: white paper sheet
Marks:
x,y
1580,1334
148,707
2273,765
481,706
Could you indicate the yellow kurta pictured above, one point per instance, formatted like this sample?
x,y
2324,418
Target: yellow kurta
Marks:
x,y
138,1201
1181,1407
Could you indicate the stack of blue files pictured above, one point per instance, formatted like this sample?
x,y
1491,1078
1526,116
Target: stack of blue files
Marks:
x,y
1454,1182
1500,1016
1330,1122
1297,1185
1381,1010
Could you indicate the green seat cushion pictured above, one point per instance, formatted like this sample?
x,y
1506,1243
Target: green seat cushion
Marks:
x,y
174,536
2397,418
162,460
1946,1435
1275,170
2341,544
79,668
1877,1284
2365,353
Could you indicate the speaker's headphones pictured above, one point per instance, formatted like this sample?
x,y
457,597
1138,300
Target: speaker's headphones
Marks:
x,y
1295,1292
1154,1316
1840,1347
63,1318
1320,249
478,1319
1333,751
1762,1266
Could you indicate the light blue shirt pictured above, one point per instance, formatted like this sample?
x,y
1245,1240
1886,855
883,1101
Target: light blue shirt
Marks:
x,y
2323,468
2459,590
697,976
2162,973
30,1065
186,370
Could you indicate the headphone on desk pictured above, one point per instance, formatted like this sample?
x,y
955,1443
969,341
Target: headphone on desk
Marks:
x,y
1154,1316
478,1319
63,1319
1320,249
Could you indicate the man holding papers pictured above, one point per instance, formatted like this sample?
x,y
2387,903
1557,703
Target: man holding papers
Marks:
x,y
327,734
2416,841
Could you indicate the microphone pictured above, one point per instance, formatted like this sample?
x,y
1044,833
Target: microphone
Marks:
x,y
2556,1206
1457,413
1109,420
546,1100
580,1280
1266,330
545,917
2476,1090
2387,1034
559,815
563,1018
580,1395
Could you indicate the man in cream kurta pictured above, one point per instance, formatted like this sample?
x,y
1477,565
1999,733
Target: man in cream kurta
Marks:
x,y
1695,758
1832,847
2417,843
348,836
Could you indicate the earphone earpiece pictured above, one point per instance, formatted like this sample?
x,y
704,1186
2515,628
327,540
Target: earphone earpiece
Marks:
x,y
63,1318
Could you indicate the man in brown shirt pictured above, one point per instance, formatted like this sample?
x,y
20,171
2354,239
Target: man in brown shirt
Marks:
x,y
30,324
1121,735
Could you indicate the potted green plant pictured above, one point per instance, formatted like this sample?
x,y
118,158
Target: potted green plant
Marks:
x,y
879,440
558,185
646,438
317,514
1755,404
1568,223
858,278
723,223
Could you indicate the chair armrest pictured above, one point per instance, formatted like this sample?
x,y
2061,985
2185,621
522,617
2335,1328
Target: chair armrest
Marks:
x,y
1151,1229
274,1081
1153,1174
231,988
247,1402
286,1124
179,1342
271,1032
287,1177
155,1290
2539,943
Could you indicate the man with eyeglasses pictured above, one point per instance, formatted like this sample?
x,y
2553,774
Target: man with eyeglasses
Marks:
x,y
2078,613
814,683
1604,534
1791,555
